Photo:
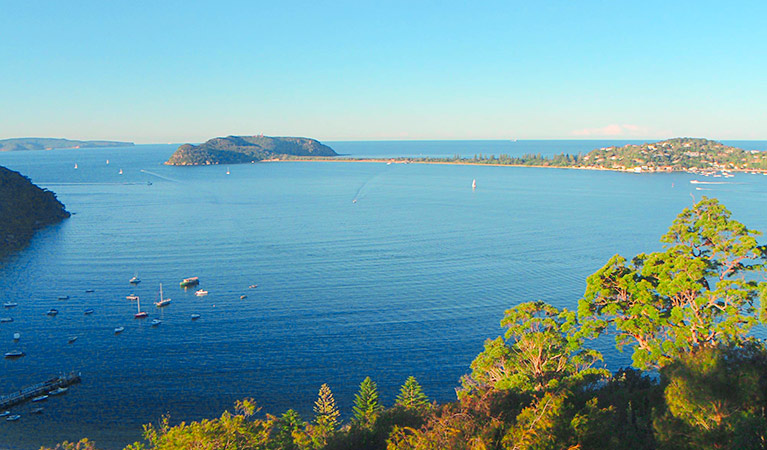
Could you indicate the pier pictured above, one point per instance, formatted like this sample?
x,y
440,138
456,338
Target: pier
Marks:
x,y
30,392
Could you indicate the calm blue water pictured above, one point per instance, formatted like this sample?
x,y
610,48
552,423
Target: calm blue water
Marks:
x,y
410,280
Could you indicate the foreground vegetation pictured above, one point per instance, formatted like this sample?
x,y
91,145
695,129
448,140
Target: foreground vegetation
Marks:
x,y
699,379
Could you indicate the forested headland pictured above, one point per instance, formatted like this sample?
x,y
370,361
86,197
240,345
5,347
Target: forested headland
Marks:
x,y
686,314
24,208
246,149
51,143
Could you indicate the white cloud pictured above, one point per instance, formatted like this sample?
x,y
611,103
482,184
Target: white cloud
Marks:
x,y
613,130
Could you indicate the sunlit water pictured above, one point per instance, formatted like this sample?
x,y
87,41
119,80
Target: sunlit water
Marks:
x,y
409,280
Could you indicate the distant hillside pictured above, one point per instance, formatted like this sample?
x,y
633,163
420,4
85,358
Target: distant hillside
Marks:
x,y
672,155
50,143
676,154
244,149
24,208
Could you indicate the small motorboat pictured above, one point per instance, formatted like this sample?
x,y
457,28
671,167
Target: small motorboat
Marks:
x,y
201,293
5,413
134,280
71,339
14,354
13,418
40,398
252,286
52,312
36,411
195,316
16,336
243,297
119,330
132,297
6,319
63,297
191,281
58,391
156,322
89,291
88,311
10,304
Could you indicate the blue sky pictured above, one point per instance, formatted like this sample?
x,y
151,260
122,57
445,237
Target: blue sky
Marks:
x,y
186,71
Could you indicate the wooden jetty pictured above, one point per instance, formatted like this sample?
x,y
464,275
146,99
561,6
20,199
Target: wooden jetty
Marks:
x,y
30,392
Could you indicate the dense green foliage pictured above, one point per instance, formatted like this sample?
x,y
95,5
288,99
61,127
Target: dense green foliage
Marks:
x,y
245,149
24,208
50,143
685,312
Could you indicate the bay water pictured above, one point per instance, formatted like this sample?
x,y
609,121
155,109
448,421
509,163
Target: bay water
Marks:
x,y
409,279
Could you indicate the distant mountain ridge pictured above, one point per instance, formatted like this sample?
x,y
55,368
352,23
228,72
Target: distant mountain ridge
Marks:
x,y
7,145
24,208
245,149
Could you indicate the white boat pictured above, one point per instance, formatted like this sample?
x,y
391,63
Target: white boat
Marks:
x,y
140,314
75,165
58,391
88,311
156,322
16,336
63,297
71,339
252,286
227,171
134,280
474,183
89,291
107,162
195,316
5,413
121,172
163,301
201,292
6,319
119,330
10,304
52,312
13,418
131,297
40,398
14,354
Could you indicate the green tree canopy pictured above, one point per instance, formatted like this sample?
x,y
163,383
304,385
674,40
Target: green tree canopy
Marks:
x,y
411,395
698,292
540,349
366,404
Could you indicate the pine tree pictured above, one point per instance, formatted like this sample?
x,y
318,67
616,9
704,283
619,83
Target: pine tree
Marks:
x,y
366,405
325,410
411,395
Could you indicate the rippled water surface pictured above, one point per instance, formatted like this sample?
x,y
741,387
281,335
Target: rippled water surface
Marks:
x,y
408,280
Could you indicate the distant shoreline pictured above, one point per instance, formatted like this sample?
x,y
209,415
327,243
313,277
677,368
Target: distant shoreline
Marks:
x,y
469,163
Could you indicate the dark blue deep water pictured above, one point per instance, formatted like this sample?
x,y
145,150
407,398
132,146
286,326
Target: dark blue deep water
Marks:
x,y
409,280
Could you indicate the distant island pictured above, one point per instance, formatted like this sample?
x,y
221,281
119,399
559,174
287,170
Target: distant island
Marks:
x,y
7,145
245,149
24,208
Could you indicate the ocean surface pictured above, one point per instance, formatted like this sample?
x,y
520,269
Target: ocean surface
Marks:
x,y
408,280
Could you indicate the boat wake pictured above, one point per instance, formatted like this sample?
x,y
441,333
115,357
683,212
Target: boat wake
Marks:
x,y
361,191
163,177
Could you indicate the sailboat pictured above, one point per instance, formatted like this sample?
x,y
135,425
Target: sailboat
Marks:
x,y
227,171
473,184
75,165
107,162
140,314
163,301
121,171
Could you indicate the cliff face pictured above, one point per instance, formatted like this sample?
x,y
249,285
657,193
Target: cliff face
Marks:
x,y
24,208
243,149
